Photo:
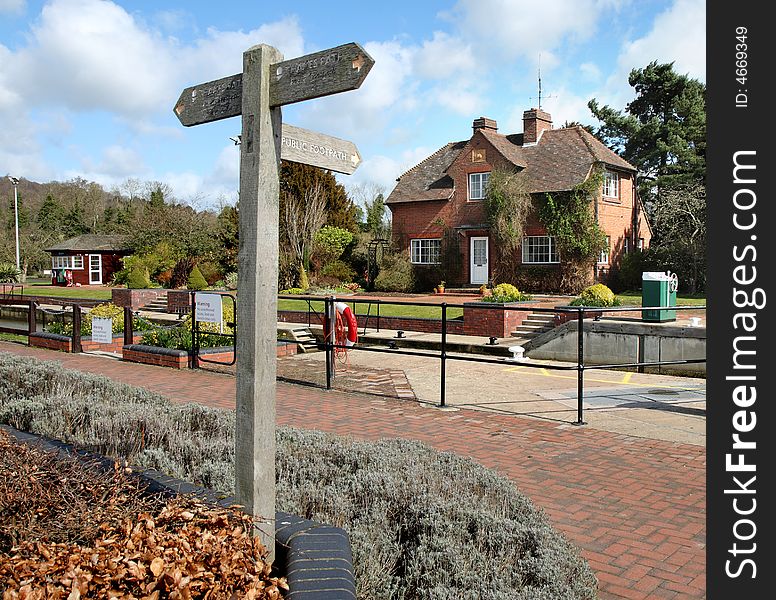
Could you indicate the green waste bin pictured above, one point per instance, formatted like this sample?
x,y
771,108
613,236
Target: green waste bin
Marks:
x,y
658,289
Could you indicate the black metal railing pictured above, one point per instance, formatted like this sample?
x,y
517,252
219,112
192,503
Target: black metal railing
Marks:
x,y
576,313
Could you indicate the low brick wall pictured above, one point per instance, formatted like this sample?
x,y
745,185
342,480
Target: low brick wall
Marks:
x,y
180,359
178,301
480,319
87,345
135,299
153,355
52,341
64,343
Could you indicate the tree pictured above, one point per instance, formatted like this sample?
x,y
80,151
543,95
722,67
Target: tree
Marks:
x,y
301,218
680,217
296,179
73,222
662,132
228,238
50,215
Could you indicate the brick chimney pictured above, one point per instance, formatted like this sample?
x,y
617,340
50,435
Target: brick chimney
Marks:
x,y
484,123
534,122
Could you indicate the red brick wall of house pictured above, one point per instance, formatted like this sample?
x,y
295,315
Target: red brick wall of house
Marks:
x,y
621,219
429,219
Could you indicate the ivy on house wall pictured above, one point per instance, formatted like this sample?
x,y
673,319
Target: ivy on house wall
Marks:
x,y
507,205
570,219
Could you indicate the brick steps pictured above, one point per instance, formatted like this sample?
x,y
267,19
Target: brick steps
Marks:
x,y
534,324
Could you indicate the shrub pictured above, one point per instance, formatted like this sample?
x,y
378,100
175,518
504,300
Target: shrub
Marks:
x,y
196,281
138,278
596,295
506,292
9,273
339,270
210,271
330,242
396,274
294,291
422,523
179,337
230,280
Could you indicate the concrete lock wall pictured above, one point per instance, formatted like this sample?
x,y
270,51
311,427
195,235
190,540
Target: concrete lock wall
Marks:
x,y
617,342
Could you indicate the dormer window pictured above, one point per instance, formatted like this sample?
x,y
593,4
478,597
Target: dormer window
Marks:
x,y
611,184
478,184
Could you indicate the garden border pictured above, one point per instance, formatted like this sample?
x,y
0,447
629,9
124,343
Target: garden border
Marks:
x,y
316,557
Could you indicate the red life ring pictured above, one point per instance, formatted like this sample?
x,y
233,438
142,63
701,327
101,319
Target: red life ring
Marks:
x,y
347,314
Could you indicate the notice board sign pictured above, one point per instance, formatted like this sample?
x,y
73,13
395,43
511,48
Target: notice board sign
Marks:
x,y
102,330
208,308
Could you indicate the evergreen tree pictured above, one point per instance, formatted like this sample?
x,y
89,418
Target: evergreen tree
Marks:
x,y
375,217
50,215
662,132
228,238
73,223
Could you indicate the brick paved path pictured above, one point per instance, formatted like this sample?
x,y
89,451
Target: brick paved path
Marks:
x,y
635,506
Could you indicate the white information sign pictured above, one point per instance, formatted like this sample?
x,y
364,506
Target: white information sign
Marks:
x,y
208,307
102,330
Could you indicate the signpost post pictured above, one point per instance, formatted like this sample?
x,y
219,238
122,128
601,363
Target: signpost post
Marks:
x,y
266,83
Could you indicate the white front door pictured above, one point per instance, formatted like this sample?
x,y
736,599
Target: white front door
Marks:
x,y
478,260
95,268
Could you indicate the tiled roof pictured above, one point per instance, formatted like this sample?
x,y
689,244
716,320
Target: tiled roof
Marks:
x,y
560,160
91,242
427,180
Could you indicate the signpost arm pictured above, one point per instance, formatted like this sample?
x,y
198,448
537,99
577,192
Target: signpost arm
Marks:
x,y
257,281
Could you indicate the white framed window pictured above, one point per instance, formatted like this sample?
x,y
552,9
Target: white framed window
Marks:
x,y
611,184
640,244
67,262
424,252
603,258
626,245
478,184
540,249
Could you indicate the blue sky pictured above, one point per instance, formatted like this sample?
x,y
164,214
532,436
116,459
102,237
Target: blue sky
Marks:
x,y
87,87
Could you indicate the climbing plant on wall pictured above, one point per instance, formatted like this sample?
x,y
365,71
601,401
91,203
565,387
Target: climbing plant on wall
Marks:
x,y
570,218
507,206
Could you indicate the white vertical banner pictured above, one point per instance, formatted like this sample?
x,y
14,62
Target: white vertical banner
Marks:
x,y
102,330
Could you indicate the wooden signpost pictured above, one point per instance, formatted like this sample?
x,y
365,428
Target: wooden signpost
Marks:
x,y
266,83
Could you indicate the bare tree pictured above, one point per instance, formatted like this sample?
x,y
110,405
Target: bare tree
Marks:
x,y
302,218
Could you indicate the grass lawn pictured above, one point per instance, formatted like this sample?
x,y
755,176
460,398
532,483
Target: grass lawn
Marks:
x,y
633,298
12,337
386,310
41,289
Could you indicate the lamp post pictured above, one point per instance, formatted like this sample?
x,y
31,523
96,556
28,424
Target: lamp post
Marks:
x,y
15,182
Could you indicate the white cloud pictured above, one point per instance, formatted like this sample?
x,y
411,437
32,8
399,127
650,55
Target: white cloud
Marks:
x,y
678,35
118,162
12,6
443,56
514,28
389,89
94,55
590,71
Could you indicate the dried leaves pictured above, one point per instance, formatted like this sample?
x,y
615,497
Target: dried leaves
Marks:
x,y
179,549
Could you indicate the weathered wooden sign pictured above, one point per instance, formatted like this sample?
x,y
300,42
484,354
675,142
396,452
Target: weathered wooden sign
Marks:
x,y
315,75
319,150
266,83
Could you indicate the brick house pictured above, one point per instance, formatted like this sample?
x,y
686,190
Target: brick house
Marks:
x,y
87,259
443,194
